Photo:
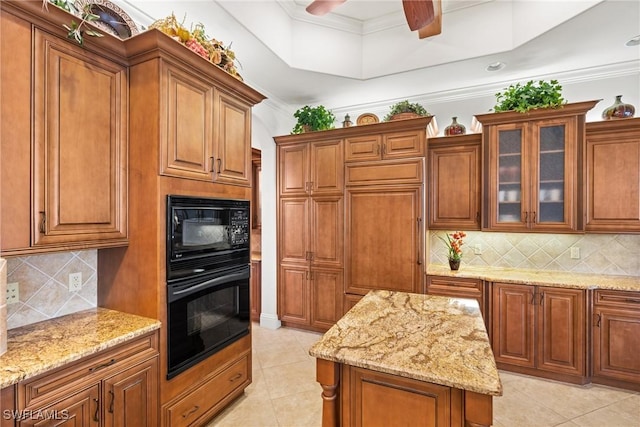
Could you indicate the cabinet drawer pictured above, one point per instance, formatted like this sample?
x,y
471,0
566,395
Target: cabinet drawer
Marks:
x,y
46,388
385,172
623,299
214,391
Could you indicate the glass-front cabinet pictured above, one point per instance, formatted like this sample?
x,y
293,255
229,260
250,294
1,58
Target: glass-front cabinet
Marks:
x,y
531,169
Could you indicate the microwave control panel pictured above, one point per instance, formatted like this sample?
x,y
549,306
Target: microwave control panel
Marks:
x,y
239,227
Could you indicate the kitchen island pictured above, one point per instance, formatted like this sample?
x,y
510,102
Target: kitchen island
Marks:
x,y
407,359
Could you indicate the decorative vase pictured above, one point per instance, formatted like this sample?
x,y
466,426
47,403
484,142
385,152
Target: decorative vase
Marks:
x,y
618,110
455,128
454,264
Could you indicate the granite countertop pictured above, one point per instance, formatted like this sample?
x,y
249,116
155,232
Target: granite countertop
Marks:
x,y
559,279
435,339
40,347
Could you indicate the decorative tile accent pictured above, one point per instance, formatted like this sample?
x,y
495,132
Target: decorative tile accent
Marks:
x,y
615,254
43,287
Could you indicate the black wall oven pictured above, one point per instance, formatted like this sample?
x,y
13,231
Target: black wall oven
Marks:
x,y
208,269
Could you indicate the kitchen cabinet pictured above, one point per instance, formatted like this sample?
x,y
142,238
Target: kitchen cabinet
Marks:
x,y
388,145
540,331
256,186
454,180
531,173
115,387
459,287
384,227
612,182
616,338
67,190
208,132
256,290
311,168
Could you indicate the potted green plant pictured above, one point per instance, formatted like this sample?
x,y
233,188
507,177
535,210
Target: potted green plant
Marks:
x,y
312,119
405,110
529,96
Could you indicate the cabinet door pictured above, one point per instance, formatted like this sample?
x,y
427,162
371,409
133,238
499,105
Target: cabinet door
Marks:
x,y
327,170
326,229
80,150
616,344
293,230
326,297
506,204
553,173
384,244
233,140
513,324
293,294
403,144
186,143
360,148
613,181
82,409
561,331
131,397
293,169
454,187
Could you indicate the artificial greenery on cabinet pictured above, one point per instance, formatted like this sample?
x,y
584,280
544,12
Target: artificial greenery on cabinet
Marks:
x,y
529,96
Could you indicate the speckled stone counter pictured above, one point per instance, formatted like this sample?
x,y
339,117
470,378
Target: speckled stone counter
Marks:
x,y
428,338
42,346
558,279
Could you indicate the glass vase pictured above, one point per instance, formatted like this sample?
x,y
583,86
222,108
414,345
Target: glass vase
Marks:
x,y
454,264
455,128
618,110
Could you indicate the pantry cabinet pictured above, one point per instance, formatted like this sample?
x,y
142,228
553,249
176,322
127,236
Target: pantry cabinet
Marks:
x,y
454,182
616,338
65,142
540,331
314,167
612,181
531,180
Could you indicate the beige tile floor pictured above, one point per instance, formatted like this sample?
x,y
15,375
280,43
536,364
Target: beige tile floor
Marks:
x,y
284,393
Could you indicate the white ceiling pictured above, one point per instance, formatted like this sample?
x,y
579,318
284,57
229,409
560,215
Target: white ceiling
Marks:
x,y
363,52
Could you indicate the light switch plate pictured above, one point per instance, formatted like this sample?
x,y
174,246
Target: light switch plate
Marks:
x,y
575,252
13,293
75,282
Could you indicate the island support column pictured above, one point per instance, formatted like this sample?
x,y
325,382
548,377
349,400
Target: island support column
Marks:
x,y
328,375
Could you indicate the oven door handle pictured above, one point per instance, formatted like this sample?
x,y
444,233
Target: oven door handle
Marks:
x,y
177,294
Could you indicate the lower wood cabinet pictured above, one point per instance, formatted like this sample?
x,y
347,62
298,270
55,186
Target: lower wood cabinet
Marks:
x,y
117,387
256,290
540,331
457,287
616,338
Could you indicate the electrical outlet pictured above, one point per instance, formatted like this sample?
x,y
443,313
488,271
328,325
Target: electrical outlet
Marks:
x,y
575,252
13,293
477,249
75,282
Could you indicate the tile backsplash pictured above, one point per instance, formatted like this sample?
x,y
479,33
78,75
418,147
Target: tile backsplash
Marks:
x,y
616,254
43,285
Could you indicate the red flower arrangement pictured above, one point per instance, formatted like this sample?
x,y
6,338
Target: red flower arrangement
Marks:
x,y
454,244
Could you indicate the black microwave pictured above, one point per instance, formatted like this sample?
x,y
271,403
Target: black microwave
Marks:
x,y
206,235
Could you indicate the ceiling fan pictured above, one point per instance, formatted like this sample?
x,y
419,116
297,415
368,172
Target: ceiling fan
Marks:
x,y
424,16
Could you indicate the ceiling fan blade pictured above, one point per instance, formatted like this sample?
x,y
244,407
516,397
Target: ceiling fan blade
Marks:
x,y
435,27
419,13
322,7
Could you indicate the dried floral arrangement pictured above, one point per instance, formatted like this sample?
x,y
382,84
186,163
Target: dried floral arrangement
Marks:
x,y
197,40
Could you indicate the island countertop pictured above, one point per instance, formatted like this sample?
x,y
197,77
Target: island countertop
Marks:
x,y
429,338
42,346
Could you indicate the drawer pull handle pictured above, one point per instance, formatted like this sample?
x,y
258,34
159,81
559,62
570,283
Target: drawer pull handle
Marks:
x,y
187,414
95,415
219,164
113,397
235,378
598,320
104,365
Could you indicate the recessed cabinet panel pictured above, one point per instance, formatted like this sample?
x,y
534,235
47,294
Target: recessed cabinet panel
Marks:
x,y
327,236
233,136
80,170
293,295
327,175
294,223
186,151
293,169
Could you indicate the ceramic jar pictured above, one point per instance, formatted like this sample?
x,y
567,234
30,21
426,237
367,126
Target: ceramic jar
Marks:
x,y
618,110
455,128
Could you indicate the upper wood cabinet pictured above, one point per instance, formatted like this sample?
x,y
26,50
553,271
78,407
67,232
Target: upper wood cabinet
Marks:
x,y
233,140
612,182
393,142
531,169
70,182
311,168
454,182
